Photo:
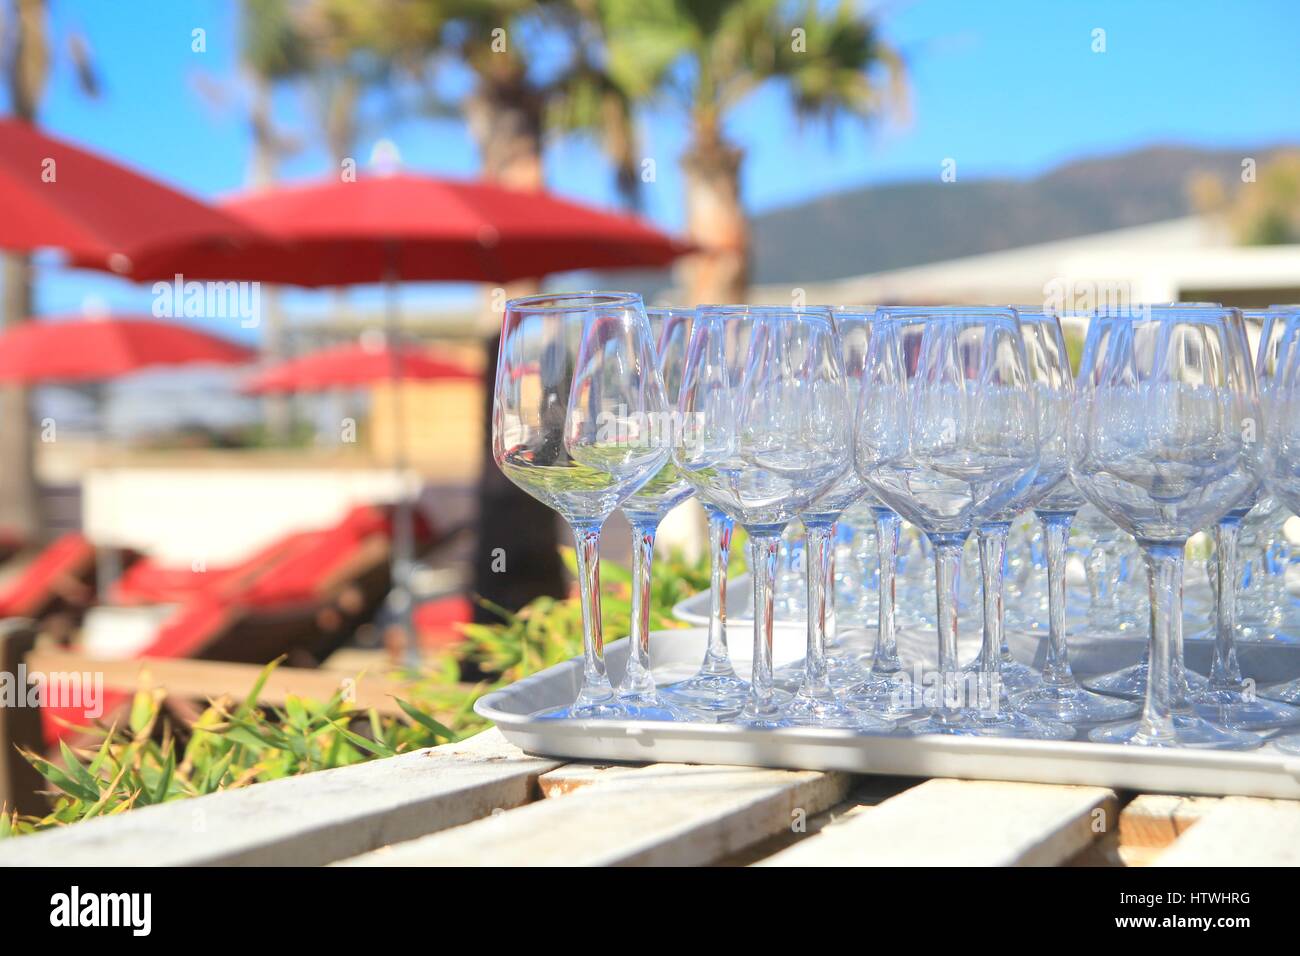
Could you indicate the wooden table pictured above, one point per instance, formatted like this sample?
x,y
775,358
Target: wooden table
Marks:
x,y
484,802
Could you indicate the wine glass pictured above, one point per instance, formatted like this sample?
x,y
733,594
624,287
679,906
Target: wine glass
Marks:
x,y
715,690
1227,699
815,702
644,510
1060,697
576,400
947,437
1158,443
761,447
1279,460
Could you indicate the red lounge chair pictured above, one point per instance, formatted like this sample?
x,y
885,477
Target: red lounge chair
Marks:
x,y
436,622
61,578
303,596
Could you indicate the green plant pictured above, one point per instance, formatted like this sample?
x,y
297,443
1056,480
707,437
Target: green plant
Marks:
x,y
231,746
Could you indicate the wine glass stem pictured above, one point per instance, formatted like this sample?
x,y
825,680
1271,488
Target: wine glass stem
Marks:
x,y
763,551
595,681
1056,536
818,552
717,658
637,678
884,658
947,574
1164,563
1225,673
993,554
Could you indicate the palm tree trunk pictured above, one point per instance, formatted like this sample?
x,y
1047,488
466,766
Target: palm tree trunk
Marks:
x,y
20,508
715,221
277,409
516,557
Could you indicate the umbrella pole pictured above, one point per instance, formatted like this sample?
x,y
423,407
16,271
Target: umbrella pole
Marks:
x,y
402,600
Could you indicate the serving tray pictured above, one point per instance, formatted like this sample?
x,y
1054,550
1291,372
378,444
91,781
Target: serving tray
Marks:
x,y
676,654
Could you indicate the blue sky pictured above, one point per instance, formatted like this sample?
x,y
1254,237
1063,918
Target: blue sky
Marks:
x,y
1006,88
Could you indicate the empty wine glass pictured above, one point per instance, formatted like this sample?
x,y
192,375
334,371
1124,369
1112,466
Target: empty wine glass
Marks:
x,y
1279,460
576,406
947,437
762,448
715,690
815,703
1059,698
1158,443
644,510
1227,699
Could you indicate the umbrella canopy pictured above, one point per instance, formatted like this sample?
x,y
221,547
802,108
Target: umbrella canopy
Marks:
x,y
412,228
54,194
355,365
90,350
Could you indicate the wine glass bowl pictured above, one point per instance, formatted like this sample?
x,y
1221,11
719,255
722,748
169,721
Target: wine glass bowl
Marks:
x,y
578,423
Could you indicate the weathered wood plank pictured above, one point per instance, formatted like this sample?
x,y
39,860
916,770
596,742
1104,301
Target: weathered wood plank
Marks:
x,y
1240,831
203,680
660,815
574,776
303,821
1151,822
963,823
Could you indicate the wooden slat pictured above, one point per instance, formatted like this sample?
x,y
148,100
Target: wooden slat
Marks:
x,y
574,776
960,822
203,680
1150,823
659,815
1240,831
303,821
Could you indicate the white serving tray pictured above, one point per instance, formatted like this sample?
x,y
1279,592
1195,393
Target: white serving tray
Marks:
x,y
675,654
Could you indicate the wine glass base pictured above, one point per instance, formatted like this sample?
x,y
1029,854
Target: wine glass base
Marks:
x,y
1290,744
1022,725
1018,678
844,670
1189,731
889,696
1234,708
1014,677
1287,693
601,710
1131,682
1074,705
966,723
719,695
651,705
805,710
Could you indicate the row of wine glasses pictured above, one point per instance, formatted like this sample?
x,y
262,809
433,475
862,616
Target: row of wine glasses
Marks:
x,y
957,419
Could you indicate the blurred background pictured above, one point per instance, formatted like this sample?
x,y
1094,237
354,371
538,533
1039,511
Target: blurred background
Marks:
x,y
1074,153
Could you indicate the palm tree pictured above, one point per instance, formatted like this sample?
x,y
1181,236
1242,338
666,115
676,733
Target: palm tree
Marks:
x,y
272,50
25,54
705,57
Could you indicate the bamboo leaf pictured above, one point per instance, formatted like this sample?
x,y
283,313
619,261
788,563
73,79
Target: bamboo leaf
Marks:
x,y
425,721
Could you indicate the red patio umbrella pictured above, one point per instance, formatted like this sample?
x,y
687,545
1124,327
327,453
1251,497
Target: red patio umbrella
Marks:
x,y
354,365
46,349
54,194
408,227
